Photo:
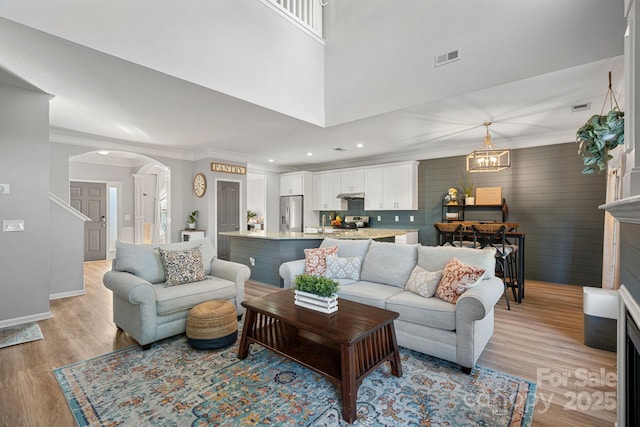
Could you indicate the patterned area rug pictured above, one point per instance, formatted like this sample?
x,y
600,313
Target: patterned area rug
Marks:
x,y
174,385
20,334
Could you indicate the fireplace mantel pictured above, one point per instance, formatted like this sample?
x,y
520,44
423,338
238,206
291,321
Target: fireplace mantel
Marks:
x,y
625,210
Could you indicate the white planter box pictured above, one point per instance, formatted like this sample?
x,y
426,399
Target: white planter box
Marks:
x,y
315,302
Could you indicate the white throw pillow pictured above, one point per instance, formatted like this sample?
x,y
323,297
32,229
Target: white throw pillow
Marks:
x,y
343,268
423,282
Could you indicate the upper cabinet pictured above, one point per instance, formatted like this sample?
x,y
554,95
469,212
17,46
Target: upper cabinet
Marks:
x,y
352,181
326,186
293,183
392,187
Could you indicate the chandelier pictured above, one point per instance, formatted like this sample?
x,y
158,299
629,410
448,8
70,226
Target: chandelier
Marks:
x,y
488,158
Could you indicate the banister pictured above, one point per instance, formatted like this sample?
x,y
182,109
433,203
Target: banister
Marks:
x,y
67,207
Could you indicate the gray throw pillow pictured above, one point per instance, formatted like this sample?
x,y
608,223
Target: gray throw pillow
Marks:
x,y
348,247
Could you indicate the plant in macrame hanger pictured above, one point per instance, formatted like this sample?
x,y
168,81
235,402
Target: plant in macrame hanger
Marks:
x,y
600,134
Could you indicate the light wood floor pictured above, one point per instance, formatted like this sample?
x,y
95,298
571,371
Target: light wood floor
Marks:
x,y
540,340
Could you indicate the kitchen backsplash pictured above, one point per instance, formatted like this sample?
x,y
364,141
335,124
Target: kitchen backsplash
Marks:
x,y
387,218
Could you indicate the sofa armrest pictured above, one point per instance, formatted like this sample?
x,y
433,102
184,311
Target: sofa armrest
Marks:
x,y
129,287
476,302
235,272
289,270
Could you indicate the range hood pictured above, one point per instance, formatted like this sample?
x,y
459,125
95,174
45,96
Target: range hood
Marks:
x,y
350,196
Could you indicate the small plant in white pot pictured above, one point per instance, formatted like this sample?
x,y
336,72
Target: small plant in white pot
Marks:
x,y
316,293
193,217
467,187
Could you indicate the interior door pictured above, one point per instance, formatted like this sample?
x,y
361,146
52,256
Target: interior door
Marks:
x,y
91,199
228,213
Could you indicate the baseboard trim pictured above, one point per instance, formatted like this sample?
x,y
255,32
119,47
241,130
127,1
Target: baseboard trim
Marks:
x,y
66,294
25,319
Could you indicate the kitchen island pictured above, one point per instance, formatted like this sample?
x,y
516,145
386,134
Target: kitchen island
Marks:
x,y
264,251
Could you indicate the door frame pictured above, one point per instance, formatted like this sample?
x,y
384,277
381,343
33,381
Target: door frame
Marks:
x,y
214,218
117,185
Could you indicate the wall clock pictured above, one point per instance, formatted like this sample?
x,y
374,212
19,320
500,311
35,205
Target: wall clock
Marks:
x,y
199,185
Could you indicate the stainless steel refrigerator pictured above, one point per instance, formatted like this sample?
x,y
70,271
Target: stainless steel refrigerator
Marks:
x,y
291,209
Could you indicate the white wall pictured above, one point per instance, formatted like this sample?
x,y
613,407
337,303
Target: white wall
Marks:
x,y
256,193
67,254
24,165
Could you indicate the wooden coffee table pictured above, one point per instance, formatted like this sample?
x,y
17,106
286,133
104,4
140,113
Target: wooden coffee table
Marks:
x,y
344,346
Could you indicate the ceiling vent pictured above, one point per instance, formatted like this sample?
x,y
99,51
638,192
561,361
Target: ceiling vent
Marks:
x,y
448,57
340,149
581,107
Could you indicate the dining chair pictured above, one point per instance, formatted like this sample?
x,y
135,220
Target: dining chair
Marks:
x,y
493,235
448,232
513,259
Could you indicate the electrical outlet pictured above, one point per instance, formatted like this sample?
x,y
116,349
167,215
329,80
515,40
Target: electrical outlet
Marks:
x,y
379,218
252,261
410,218
397,218
5,189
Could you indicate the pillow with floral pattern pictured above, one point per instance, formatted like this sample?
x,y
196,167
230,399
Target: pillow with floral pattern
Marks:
x,y
182,266
316,260
457,277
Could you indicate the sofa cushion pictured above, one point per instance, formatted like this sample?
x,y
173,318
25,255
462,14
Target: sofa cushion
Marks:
x,y
423,282
434,258
316,260
457,277
183,266
171,299
369,293
140,260
431,312
343,268
389,263
347,247
205,245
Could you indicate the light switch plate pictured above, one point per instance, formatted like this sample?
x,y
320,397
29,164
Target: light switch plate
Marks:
x,y
397,218
5,189
411,218
13,225
379,218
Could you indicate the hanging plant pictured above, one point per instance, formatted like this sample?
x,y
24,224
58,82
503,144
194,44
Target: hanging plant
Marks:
x,y
600,135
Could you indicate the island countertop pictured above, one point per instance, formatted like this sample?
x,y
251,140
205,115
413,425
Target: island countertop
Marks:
x,y
361,233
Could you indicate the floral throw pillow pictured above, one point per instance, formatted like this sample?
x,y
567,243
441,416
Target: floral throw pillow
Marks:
x,y
456,279
315,260
343,268
182,266
423,282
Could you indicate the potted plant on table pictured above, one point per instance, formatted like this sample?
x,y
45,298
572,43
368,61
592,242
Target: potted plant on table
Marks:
x,y
316,293
467,187
193,217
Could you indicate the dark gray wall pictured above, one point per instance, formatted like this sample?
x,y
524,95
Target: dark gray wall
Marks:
x,y
545,192
629,256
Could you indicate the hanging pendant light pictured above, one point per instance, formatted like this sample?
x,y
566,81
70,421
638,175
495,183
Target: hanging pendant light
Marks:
x,y
488,158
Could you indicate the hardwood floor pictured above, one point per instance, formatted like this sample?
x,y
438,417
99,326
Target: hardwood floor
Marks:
x,y
540,340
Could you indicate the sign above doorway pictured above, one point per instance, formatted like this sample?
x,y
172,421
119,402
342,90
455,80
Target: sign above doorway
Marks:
x,y
222,167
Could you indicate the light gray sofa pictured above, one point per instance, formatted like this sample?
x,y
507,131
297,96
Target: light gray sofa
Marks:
x,y
147,309
455,332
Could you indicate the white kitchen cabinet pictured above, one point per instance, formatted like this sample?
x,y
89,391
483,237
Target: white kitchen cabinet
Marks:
x,y
293,183
326,187
352,181
373,189
392,187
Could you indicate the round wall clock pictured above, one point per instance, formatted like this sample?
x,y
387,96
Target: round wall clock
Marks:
x,y
199,185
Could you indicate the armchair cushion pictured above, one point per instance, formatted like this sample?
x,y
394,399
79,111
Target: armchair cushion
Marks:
x,y
140,260
171,299
182,266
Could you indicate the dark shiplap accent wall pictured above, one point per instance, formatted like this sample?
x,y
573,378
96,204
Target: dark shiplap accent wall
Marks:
x,y
554,203
630,257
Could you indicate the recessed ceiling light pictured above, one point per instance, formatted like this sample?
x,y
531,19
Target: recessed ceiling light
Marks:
x,y
309,154
103,152
360,145
270,160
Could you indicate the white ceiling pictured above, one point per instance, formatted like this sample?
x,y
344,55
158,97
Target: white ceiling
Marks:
x,y
111,103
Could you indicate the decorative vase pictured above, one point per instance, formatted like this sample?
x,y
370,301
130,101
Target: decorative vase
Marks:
x,y
315,302
470,201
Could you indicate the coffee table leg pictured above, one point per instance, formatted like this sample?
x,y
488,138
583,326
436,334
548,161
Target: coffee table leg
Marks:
x,y
396,365
249,321
348,383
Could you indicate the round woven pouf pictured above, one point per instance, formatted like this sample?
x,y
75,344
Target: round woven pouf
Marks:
x,y
212,325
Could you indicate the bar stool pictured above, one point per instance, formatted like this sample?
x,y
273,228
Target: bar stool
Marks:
x,y
513,259
492,235
448,232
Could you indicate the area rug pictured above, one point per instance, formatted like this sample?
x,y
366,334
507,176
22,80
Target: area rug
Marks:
x,y
20,334
173,384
